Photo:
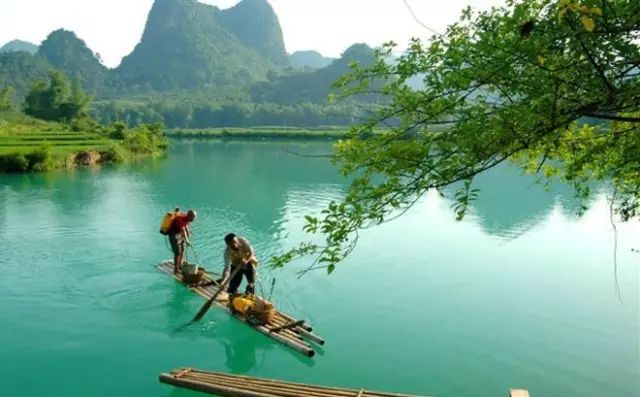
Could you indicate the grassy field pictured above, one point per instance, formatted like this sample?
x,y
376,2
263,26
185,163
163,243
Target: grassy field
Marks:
x,y
61,143
28,144
20,133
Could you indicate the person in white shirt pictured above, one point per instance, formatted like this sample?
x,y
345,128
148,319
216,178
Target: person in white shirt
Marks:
x,y
239,254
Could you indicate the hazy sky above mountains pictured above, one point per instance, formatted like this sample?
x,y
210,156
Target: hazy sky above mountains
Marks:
x,y
113,27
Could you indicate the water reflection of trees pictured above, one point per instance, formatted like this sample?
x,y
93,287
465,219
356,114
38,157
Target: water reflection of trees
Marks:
x,y
258,178
511,203
250,179
247,184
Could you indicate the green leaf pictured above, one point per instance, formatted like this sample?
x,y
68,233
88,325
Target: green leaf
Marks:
x,y
561,14
331,268
502,106
587,22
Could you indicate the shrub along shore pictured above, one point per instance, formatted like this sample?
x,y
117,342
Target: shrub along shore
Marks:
x,y
28,144
262,132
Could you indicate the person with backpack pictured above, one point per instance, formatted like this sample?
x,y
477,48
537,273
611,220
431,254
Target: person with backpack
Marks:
x,y
179,233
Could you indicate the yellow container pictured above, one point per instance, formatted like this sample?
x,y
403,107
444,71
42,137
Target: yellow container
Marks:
x,y
241,304
166,222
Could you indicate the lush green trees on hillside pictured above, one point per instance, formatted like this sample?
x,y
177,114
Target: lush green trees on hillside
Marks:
x,y
257,26
56,99
309,59
314,86
190,45
66,52
6,98
217,67
20,69
182,114
19,45
510,84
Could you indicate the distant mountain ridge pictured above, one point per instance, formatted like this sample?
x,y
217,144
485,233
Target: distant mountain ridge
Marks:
x,y
192,54
314,86
66,52
187,45
309,59
19,45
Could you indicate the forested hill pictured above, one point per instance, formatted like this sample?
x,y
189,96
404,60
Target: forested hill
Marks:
x,y
19,45
190,45
192,55
311,86
309,59
65,51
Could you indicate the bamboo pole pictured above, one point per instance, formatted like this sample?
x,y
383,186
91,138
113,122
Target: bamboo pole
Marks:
x,y
287,326
290,334
296,345
211,389
274,389
301,331
286,331
279,389
310,335
263,381
306,326
288,337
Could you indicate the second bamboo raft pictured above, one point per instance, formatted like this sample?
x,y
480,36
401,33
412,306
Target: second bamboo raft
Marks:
x,y
226,385
284,329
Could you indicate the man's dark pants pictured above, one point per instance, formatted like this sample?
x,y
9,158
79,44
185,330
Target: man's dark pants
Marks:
x,y
234,283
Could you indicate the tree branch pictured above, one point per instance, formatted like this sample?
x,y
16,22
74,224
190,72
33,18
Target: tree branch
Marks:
x,y
613,117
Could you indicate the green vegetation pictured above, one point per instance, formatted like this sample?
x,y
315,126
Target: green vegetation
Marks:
x,y
315,86
185,112
20,70
256,25
29,144
188,45
309,59
19,45
513,84
55,131
6,99
197,66
263,132
66,52
57,100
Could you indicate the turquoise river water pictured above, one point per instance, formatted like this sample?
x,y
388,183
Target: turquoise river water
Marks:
x,y
521,294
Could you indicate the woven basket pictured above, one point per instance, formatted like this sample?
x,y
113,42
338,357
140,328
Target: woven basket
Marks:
x,y
262,312
190,277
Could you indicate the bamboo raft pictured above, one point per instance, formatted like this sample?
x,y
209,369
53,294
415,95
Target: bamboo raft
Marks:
x,y
284,328
225,385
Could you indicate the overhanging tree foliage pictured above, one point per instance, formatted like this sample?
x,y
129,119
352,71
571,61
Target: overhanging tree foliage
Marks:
x,y
552,86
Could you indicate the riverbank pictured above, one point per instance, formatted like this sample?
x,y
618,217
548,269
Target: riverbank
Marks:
x,y
262,132
28,144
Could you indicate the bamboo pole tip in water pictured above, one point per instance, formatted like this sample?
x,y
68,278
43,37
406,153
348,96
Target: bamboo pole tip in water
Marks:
x,y
311,353
518,393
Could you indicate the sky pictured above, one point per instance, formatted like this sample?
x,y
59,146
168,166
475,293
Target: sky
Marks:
x,y
113,27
